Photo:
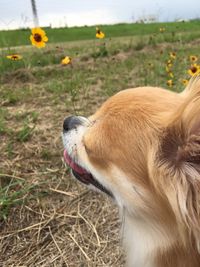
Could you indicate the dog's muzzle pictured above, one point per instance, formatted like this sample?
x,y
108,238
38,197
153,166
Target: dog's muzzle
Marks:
x,y
71,123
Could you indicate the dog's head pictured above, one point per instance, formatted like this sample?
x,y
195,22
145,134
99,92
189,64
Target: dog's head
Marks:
x,y
108,150
142,148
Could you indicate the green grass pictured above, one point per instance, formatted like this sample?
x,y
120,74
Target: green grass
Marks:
x,y
24,134
21,37
3,119
14,193
139,36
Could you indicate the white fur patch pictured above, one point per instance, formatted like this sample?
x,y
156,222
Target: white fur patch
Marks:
x,y
140,242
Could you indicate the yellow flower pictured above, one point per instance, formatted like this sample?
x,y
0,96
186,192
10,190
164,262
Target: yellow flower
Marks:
x,y
194,70
184,81
38,37
66,61
162,29
99,34
167,68
14,57
172,55
169,62
193,58
170,83
171,75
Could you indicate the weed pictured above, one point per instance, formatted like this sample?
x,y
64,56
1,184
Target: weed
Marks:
x,y
11,194
3,114
34,116
2,126
10,97
46,154
31,116
9,149
25,133
140,44
101,51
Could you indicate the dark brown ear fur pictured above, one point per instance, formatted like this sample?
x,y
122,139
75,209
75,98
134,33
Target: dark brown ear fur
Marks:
x,y
178,163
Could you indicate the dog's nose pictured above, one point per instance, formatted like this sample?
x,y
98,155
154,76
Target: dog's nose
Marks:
x,y
70,123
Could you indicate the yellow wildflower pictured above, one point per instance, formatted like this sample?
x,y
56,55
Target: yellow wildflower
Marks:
x,y
14,57
38,37
172,55
185,81
167,68
169,62
162,29
194,70
66,61
170,83
99,34
171,75
193,58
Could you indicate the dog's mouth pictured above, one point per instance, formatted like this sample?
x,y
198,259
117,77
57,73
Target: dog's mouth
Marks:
x,y
84,176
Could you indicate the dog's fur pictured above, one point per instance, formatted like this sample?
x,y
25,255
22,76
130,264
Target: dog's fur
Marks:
x,y
143,145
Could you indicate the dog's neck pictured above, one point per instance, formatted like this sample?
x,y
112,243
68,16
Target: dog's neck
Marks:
x,y
143,240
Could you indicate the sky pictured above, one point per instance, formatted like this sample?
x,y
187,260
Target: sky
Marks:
x,y
59,13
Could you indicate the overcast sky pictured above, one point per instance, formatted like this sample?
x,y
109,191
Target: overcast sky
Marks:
x,y
15,14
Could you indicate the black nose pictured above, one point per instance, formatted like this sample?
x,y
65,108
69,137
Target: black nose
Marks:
x,y
71,122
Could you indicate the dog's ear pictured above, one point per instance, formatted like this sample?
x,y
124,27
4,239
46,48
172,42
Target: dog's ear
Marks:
x,y
178,162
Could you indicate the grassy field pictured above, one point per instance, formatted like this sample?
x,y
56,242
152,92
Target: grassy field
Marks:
x,y
47,218
21,37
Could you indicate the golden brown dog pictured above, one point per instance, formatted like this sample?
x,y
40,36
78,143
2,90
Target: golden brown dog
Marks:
x,y
142,148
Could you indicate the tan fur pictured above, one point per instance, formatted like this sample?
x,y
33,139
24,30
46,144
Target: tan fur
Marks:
x,y
144,143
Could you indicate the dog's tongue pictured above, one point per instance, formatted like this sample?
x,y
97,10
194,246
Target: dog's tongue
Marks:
x,y
72,164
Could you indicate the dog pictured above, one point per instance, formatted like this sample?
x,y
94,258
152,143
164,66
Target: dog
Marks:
x,y
142,148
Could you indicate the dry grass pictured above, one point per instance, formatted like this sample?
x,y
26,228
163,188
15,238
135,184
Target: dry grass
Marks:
x,y
62,230
56,222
